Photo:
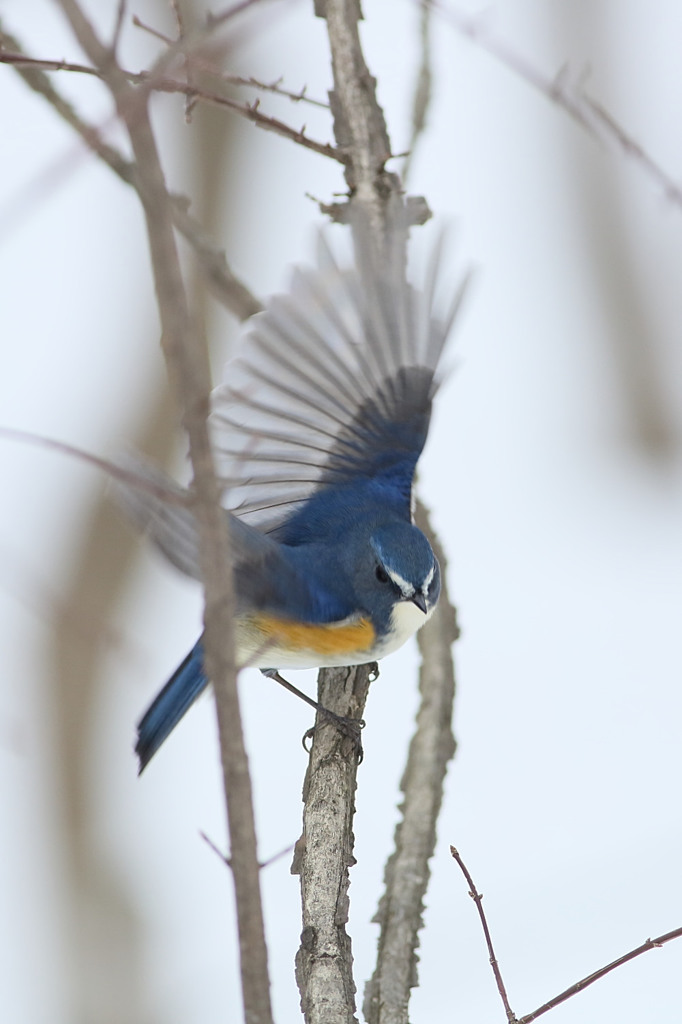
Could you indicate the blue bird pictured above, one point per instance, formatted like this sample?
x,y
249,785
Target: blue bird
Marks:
x,y
316,431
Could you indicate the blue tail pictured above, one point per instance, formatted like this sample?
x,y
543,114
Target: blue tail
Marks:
x,y
168,707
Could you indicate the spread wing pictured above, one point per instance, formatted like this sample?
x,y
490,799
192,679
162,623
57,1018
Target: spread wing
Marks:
x,y
265,577
333,384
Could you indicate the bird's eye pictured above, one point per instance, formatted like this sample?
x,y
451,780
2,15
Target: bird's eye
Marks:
x,y
381,574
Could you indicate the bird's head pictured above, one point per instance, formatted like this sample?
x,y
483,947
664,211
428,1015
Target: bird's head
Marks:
x,y
396,577
405,565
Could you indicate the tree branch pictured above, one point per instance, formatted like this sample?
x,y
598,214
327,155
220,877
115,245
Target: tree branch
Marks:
x,y
325,852
477,897
156,83
423,86
407,871
656,943
226,288
188,367
573,990
567,94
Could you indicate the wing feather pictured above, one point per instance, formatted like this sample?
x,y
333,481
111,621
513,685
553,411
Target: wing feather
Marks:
x,y
334,381
265,577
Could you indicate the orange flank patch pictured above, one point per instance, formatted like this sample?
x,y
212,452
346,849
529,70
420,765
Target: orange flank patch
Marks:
x,y
326,640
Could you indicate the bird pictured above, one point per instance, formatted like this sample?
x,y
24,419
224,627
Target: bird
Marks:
x,y
316,430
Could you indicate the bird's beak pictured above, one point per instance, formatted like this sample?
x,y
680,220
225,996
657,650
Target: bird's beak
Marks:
x,y
420,601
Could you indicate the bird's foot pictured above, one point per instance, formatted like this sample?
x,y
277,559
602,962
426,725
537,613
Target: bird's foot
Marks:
x,y
350,727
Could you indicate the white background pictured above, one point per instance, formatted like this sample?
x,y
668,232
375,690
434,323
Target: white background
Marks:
x,y
553,473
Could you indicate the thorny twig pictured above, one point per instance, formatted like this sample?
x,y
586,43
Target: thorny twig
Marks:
x,y
192,92
275,87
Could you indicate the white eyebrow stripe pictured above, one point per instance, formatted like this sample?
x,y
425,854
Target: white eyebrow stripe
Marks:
x,y
429,579
405,588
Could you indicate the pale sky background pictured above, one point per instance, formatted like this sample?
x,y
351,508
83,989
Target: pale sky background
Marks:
x,y
554,474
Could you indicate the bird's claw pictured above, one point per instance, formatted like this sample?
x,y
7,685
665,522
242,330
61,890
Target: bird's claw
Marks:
x,y
349,727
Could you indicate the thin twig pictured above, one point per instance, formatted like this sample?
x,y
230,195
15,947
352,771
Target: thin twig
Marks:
x,y
225,286
22,60
32,71
275,87
477,897
423,86
571,97
188,62
192,93
155,32
263,864
252,112
195,39
277,856
573,990
216,849
559,89
118,26
214,21
656,943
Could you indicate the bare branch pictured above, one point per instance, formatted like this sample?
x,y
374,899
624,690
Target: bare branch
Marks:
x,y
477,897
22,60
250,111
407,871
188,367
214,21
139,23
423,85
32,70
656,943
573,990
569,95
227,288
264,864
118,27
324,960
359,124
277,89
325,851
